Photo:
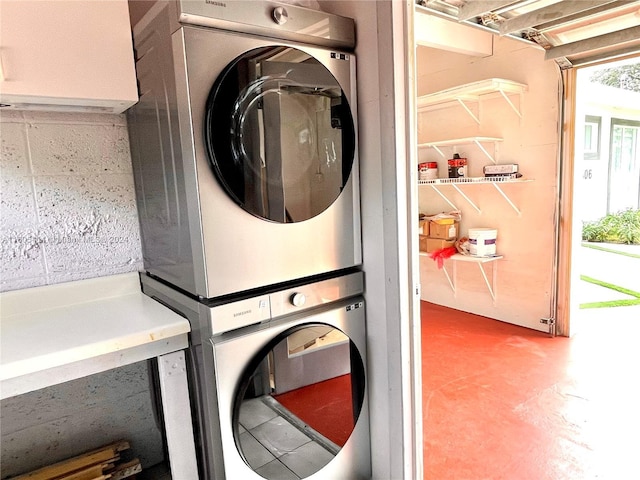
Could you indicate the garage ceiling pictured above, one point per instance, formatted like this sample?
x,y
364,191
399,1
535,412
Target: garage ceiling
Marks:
x,y
573,32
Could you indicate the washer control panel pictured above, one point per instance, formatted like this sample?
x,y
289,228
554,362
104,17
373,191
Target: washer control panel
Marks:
x,y
263,308
230,316
304,297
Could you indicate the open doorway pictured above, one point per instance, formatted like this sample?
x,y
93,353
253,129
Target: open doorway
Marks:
x,y
477,426
606,192
497,108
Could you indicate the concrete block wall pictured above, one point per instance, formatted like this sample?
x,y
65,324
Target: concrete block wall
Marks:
x,y
67,205
68,212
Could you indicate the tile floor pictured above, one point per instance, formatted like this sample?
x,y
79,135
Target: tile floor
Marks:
x,y
505,402
274,447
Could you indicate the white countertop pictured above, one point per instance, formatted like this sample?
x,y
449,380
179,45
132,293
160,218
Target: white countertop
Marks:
x,y
56,333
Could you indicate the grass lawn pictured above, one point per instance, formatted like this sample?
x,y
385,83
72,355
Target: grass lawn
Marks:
x,y
611,303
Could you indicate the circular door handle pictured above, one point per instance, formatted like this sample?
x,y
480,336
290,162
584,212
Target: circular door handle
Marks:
x,y
280,15
298,299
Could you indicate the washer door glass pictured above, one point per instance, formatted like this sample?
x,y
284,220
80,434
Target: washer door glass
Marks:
x,y
288,421
279,134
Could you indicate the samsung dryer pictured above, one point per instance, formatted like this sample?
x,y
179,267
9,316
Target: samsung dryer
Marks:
x,y
244,144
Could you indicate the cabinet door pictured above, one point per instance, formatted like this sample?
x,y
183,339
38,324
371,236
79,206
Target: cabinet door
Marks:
x,y
66,54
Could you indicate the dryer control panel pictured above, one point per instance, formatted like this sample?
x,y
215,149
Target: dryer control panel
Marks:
x,y
273,19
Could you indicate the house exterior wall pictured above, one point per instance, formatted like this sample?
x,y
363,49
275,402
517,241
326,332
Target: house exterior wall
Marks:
x,y
67,212
591,174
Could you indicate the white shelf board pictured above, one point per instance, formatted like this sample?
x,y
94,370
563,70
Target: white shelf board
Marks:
x,y
466,141
459,141
473,259
458,257
471,91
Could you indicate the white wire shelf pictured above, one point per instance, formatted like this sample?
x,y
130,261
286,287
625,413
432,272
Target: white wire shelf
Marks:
x,y
473,180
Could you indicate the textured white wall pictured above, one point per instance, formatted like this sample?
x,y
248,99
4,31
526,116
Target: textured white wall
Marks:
x,y
67,212
54,423
67,209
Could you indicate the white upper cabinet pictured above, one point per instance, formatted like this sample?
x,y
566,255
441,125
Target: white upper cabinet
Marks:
x,y
66,55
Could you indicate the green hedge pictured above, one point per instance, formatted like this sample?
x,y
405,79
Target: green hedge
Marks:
x,y
622,227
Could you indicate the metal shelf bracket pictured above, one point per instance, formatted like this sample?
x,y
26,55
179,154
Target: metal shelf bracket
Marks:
x,y
466,197
454,182
469,111
485,151
446,199
480,261
513,107
504,195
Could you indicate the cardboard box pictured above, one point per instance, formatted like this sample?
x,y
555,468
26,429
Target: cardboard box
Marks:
x,y
445,232
423,243
434,244
428,244
423,227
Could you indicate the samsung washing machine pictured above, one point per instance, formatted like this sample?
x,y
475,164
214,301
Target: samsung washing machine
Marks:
x,y
244,144
279,381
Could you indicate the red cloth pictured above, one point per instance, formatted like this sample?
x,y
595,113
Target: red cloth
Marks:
x,y
440,255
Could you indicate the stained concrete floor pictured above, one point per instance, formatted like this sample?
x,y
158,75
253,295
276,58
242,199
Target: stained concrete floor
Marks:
x,y
505,402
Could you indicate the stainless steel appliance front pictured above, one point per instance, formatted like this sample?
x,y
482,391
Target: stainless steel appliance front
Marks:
x,y
305,342
244,149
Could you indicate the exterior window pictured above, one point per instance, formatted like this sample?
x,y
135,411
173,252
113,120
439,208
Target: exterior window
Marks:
x,y
592,137
624,166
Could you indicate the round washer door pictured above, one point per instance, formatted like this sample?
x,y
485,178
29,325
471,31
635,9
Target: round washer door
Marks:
x,y
279,134
299,401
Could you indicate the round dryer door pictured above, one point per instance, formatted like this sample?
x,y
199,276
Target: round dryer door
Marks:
x,y
279,134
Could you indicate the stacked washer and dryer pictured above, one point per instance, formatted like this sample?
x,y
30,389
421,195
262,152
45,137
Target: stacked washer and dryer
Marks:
x,y
245,160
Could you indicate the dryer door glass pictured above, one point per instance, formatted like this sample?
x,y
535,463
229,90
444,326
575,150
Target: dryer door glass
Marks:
x,y
293,421
279,133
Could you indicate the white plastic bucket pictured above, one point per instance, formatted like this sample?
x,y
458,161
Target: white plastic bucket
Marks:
x,y
482,241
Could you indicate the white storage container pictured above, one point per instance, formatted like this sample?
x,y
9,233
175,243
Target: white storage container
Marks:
x,y
482,241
